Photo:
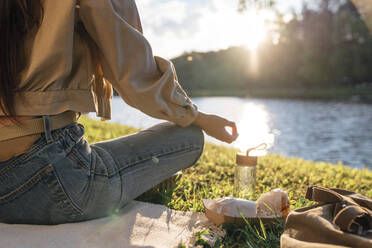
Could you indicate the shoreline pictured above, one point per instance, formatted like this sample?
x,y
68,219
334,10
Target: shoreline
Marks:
x,y
354,95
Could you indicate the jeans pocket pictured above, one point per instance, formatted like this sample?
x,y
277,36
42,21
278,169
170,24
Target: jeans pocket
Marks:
x,y
41,199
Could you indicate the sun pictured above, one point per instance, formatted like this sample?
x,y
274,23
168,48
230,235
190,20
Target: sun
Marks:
x,y
254,129
254,29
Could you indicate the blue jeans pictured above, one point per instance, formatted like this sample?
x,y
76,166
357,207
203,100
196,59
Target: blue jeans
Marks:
x,y
64,179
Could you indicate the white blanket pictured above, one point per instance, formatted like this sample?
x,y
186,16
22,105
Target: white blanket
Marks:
x,y
139,225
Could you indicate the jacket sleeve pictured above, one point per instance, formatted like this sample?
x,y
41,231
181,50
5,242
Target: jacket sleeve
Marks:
x,y
143,81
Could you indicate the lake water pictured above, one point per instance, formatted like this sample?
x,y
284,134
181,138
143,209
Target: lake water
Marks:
x,y
313,130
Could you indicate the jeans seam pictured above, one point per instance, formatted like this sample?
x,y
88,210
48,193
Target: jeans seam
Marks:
x,y
201,150
163,153
167,151
189,148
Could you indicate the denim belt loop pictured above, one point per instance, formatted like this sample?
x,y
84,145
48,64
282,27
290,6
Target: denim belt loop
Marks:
x,y
47,128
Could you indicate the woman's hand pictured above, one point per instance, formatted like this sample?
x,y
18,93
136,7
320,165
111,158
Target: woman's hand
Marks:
x,y
215,126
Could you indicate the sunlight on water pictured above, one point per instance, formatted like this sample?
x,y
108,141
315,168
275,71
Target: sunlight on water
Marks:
x,y
319,131
254,129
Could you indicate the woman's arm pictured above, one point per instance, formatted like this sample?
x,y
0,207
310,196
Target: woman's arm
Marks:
x,y
146,82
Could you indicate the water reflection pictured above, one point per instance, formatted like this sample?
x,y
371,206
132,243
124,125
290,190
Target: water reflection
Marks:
x,y
319,131
254,129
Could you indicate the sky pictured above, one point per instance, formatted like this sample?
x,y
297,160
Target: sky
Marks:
x,y
177,26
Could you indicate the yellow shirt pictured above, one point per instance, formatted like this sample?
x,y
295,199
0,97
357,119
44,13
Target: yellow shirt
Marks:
x,y
60,72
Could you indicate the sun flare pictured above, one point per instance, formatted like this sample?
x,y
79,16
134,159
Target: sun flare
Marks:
x,y
254,129
255,29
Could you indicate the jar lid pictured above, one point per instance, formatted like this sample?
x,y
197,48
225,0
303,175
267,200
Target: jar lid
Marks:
x,y
246,160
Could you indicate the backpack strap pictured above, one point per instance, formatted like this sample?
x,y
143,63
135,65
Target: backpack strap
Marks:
x,y
352,211
353,219
358,198
324,195
335,195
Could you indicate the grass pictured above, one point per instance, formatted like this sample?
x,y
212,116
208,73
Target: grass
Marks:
x,y
213,175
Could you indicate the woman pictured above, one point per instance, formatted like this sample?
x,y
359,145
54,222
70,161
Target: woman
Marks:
x,y
59,58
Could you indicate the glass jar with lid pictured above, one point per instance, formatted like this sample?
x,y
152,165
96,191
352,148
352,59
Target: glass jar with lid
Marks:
x,y
245,173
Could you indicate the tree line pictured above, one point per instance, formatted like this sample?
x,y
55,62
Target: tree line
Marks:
x,y
327,45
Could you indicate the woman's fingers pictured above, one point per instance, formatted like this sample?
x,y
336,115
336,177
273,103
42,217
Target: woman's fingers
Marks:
x,y
234,134
234,129
224,134
215,126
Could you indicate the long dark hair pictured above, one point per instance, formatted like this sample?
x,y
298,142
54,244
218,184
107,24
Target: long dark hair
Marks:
x,y
17,18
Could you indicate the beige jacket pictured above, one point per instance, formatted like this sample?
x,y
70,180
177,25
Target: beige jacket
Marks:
x,y
63,72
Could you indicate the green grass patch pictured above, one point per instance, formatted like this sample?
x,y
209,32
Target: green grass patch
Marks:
x,y
213,177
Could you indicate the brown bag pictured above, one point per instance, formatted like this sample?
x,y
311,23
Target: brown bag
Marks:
x,y
341,219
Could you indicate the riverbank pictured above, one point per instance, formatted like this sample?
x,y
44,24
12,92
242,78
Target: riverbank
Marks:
x,y
212,177
361,94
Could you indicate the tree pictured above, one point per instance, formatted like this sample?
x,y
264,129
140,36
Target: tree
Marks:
x,y
328,45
